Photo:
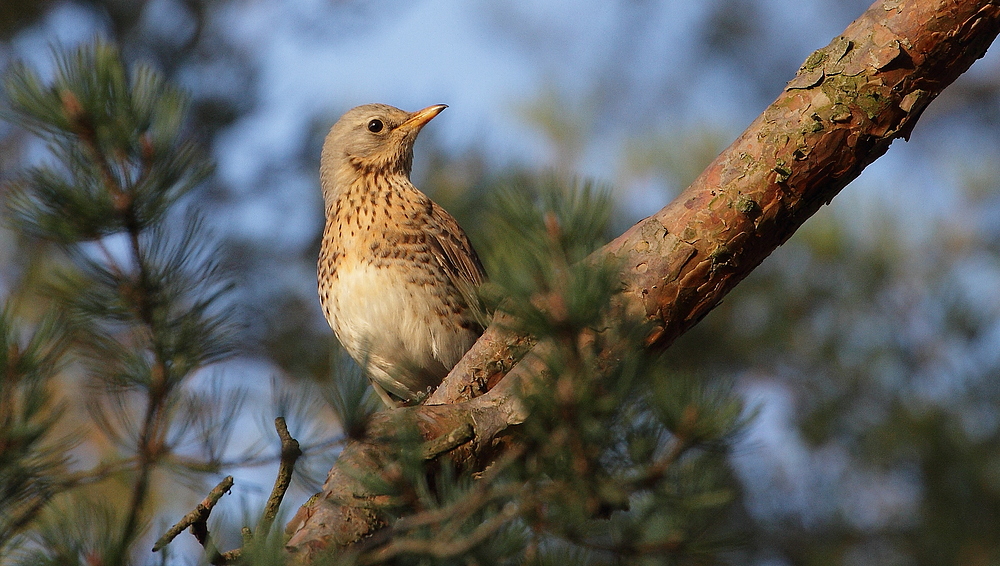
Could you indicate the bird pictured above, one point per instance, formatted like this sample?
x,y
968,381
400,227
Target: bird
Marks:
x,y
398,278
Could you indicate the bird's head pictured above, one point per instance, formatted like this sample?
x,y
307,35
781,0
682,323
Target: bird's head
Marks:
x,y
374,138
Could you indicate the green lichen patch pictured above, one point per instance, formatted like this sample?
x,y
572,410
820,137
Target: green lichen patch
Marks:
x,y
782,170
814,60
872,103
748,207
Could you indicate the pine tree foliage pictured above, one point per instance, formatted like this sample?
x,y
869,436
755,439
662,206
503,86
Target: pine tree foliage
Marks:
x,y
78,532
32,462
144,300
116,138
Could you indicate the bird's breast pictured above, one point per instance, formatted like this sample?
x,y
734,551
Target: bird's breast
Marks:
x,y
373,241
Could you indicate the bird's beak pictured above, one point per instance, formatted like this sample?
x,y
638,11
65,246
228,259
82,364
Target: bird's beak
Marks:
x,y
421,117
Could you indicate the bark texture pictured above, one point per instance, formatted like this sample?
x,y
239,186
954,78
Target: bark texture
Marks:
x,y
843,109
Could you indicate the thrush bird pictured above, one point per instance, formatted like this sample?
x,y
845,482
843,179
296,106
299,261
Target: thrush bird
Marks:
x,y
398,277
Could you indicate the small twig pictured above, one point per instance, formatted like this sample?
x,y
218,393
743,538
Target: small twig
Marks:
x,y
198,518
656,471
482,493
82,126
228,557
110,260
247,535
442,549
256,461
444,443
233,555
290,452
97,473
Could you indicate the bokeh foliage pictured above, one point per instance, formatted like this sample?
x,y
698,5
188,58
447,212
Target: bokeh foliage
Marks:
x,y
143,305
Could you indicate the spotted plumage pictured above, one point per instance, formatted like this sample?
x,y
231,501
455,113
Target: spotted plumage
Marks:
x,y
398,277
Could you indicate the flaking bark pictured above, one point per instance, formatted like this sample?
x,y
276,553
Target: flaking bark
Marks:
x,y
843,109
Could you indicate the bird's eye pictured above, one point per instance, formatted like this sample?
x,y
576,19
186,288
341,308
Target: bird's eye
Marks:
x,y
375,126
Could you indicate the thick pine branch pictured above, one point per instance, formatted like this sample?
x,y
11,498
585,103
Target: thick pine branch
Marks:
x,y
843,109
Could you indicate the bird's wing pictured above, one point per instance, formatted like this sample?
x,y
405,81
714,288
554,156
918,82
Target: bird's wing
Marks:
x,y
456,255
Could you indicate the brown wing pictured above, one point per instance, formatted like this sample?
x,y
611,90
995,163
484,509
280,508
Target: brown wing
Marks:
x,y
455,254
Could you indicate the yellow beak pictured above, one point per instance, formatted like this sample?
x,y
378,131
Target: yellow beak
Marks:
x,y
421,117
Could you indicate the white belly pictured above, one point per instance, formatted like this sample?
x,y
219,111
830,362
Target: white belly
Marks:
x,y
381,319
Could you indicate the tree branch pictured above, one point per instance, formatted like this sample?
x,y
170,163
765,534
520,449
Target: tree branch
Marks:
x,y
845,106
290,453
197,519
